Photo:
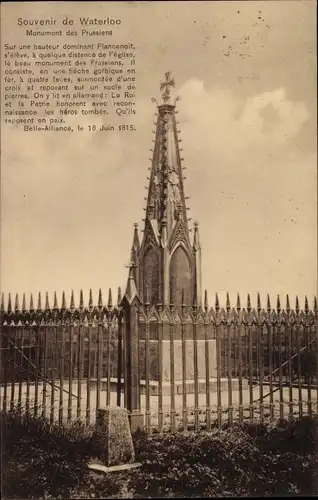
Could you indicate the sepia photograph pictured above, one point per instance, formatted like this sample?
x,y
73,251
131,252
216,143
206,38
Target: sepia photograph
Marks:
x,y
159,318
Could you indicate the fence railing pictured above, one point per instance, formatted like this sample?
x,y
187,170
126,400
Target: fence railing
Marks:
x,y
171,367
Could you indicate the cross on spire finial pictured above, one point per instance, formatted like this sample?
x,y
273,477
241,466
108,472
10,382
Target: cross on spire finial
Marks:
x,y
166,87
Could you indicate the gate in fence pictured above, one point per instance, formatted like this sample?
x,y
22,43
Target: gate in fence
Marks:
x,y
171,367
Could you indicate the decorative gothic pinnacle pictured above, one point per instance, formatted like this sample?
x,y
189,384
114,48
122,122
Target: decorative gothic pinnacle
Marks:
x,y
131,289
196,239
136,244
119,296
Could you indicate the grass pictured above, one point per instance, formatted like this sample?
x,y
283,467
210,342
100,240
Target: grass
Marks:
x,y
46,461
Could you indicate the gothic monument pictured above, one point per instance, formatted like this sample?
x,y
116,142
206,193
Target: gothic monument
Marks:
x,y
166,266
167,262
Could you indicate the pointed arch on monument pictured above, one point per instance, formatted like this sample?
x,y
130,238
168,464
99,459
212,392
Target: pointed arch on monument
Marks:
x,y
181,243
150,275
181,275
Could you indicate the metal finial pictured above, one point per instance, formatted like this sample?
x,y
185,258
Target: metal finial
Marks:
x,y
268,304
16,304
31,303
306,305
100,299
72,304
81,302
287,303
90,300
23,303
110,299
47,304
259,307
249,308
63,306
238,302
228,305
206,302
39,302
9,303
278,304
55,306
217,305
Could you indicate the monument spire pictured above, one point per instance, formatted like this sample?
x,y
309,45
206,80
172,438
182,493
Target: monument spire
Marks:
x,y
167,262
166,200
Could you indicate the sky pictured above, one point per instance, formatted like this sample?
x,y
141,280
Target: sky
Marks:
x,y
246,75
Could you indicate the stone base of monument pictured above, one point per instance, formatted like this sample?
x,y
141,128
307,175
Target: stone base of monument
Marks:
x,y
112,441
178,386
182,351
190,386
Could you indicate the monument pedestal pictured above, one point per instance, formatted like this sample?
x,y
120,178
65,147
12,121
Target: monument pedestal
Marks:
x,y
206,351
165,369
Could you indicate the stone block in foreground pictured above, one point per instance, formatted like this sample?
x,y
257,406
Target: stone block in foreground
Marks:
x,y
112,440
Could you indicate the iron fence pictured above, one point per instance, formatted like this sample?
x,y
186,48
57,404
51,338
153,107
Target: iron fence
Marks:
x,y
176,367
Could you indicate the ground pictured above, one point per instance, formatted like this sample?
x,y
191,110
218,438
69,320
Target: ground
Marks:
x,y
50,462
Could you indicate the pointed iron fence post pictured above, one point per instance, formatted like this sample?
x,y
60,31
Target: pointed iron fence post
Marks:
x,y
131,304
